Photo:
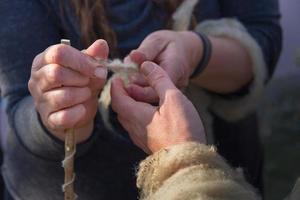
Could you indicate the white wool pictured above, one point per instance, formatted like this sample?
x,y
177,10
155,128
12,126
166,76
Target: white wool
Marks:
x,y
122,70
181,21
230,110
182,16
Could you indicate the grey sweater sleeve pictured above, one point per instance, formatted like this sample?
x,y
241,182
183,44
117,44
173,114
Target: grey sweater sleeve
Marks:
x,y
28,27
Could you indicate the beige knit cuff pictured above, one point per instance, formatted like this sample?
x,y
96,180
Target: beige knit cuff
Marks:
x,y
155,169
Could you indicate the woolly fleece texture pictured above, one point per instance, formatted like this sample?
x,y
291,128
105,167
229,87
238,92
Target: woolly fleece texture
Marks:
x,y
194,171
123,71
191,171
233,110
230,110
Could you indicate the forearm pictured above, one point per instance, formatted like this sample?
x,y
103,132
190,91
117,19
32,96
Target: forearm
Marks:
x,y
229,68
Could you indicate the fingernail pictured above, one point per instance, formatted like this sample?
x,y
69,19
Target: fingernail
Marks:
x,y
100,72
147,68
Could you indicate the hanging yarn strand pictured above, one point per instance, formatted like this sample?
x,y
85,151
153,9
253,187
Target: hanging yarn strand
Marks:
x,y
68,162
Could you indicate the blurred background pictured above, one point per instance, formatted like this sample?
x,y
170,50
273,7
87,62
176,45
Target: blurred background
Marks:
x,y
280,110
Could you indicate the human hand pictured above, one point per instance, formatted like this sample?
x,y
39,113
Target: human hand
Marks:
x,y
152,128
65,84
178,53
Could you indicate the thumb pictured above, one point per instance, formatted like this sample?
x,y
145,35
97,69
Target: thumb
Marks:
x,y
99,49
157,79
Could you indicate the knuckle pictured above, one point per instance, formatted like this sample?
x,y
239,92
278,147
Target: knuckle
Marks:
x,y
31,85
157,76
63,97
36,61
55,53
155,35
54,74
160,35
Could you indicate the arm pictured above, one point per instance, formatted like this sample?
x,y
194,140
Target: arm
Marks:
x,y
255,27
180,167
242,48
229,68
261,22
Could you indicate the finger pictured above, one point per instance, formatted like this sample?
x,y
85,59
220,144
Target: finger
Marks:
x,y
91,106
66,118
99,49
96,85
135,56
124,105
179,76
67,56
138,79
65,97
151,47
54,76
143,94
157,78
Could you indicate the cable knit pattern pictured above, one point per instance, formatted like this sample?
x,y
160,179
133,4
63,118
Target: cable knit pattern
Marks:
x,y
191,171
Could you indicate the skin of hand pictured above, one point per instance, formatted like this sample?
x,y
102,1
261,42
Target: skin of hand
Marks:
x,y
150,127
176,52
229,68
65,84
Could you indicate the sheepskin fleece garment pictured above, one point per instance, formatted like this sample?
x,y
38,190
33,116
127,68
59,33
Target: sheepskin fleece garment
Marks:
x,y
194,171
234,109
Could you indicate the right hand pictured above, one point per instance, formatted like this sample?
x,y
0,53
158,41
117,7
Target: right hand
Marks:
x,y
174,121
65,84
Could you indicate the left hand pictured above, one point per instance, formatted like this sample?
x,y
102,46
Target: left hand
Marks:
x,y
178,53
152,128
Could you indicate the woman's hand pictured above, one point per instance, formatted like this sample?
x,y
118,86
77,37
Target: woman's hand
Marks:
x,y
65,84
178,53
152,128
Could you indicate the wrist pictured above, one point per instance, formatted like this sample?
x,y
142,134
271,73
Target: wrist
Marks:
x,y
206,55
194,49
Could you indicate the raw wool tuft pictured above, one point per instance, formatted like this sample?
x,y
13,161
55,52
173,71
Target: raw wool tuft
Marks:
x,y
191,171
183,15
182,18
230,110
122,70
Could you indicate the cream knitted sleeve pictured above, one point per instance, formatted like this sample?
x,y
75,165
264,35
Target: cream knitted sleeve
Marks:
x,y
191,171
